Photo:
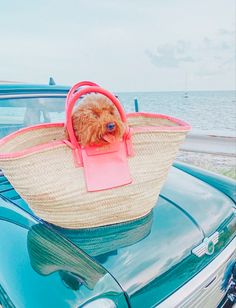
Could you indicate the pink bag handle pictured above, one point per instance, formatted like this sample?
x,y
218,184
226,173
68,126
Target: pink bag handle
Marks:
x,y
79,85
70,102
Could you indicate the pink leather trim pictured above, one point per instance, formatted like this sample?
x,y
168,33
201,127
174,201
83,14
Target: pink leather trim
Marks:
x,y
77,157
29,128
181,124
106,167
79,85
94,150
128,141
32,149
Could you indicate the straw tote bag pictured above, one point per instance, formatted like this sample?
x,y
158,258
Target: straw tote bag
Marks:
x,y
54,175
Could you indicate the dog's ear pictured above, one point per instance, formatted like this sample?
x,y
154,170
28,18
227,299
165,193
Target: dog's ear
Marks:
x,y
90,135
83,125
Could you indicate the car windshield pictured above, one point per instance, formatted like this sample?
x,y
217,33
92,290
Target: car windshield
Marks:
x,y
16,113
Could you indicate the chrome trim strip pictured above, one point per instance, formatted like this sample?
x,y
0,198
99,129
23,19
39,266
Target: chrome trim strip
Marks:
x,y
199,281
31,95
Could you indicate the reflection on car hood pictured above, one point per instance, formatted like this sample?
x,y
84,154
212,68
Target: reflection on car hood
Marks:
x,y
138,252
207,206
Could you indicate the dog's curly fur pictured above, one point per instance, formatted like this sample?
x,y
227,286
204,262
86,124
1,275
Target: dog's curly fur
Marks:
x,y
91,117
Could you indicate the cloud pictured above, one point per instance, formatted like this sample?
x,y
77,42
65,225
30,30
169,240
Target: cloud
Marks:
x,y
117,43
170,56
225,32
211,55
216,44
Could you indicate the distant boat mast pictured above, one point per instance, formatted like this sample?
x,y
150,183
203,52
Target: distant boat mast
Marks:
x,y
186,87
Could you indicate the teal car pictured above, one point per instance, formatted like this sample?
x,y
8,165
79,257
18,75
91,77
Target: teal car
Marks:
x,y
182,254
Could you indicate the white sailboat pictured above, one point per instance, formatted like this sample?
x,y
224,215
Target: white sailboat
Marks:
x,y
186,91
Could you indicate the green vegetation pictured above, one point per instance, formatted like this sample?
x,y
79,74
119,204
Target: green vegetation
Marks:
x,y
222,164
231,173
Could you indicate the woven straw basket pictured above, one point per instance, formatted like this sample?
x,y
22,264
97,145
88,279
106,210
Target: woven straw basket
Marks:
x,y
41,167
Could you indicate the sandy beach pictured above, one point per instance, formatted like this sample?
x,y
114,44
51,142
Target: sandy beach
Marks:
x,y
215,153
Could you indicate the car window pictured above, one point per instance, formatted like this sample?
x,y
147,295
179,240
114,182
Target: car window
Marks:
x,y
16,113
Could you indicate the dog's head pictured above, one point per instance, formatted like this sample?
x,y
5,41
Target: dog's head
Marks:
x,y
96,121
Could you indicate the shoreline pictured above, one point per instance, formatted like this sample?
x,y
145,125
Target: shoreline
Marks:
x,y
215,153
210,144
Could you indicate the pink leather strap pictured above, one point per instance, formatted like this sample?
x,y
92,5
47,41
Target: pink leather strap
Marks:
x,y
79,85
70,102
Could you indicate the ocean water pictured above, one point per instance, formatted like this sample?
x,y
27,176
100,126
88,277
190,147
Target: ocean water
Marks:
x,y
208,112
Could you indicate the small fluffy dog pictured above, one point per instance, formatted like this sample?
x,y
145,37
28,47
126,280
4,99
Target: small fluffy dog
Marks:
x,y
96,121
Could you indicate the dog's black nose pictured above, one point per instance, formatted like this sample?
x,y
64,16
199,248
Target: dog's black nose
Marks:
x,y
111,126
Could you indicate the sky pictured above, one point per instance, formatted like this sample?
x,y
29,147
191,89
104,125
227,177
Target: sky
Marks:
x,y
152,45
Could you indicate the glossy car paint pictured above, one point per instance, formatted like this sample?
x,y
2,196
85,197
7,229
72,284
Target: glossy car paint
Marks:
x,y
149,258
222,183
166,235
18,88
36,267
161,262
204,203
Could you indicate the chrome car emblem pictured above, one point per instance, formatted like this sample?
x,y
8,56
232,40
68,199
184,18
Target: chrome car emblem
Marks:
x,y
207,247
